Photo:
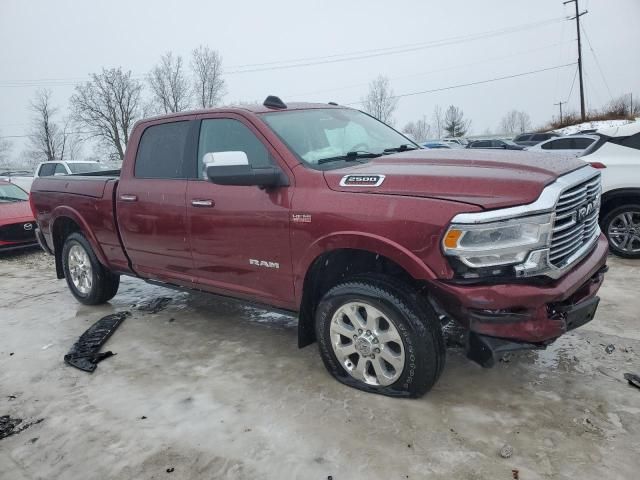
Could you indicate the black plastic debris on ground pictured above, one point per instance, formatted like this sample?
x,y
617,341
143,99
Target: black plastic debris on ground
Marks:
x,y
154,305
10,426
85,353
633,379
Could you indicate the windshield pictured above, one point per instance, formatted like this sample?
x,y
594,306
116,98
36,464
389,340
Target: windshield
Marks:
x,y
320,135
11,193
86,167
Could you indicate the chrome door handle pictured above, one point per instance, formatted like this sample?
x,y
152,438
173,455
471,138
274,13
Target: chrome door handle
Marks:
x,y
202,203
128,198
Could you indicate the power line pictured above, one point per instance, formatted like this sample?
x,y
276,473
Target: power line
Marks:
x,y
453,67
572,84
451,87
446,40
606,84
310,61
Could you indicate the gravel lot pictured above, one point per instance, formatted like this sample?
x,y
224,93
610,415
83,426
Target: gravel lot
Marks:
x,y
208,388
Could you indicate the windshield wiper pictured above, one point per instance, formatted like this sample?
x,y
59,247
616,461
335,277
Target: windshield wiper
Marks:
x,y
349,157
402,148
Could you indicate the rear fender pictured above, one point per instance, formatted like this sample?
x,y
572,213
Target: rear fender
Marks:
x,y
62,212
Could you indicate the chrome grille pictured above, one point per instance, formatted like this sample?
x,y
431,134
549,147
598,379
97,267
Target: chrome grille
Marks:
x,y
576,221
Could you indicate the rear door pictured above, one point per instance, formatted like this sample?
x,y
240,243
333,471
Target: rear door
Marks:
x,y
151,205
240,234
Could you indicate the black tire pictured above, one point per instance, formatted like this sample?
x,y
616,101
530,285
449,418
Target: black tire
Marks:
x,y
104,283
609,218
414,320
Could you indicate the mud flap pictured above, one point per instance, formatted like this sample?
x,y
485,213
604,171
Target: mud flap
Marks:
x,y
85,353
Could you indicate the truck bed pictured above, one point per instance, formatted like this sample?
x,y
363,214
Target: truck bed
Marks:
x,y
89,200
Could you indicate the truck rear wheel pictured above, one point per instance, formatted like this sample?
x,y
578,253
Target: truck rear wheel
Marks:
x,y
622,228
380,336
89,281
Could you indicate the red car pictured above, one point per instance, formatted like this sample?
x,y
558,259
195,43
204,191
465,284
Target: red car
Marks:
x,y
17,225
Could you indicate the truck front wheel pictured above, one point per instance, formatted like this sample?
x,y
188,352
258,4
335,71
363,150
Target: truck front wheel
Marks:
x,y
380,336
89,281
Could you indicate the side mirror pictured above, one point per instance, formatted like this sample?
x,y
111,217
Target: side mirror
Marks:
x,y
232,168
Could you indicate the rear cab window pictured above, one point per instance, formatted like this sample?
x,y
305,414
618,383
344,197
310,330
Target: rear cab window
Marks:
x,y
47,169
161,151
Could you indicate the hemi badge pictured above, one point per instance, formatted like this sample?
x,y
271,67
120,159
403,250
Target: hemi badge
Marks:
x,y
301,218
362,180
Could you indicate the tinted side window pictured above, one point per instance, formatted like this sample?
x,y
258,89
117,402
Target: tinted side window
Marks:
x,y
161,151
60,170
540,137
226,135
582,143
46,170
632,141
563,144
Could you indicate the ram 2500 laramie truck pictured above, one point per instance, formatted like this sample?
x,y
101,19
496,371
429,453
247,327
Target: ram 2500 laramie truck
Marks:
x,y
326,211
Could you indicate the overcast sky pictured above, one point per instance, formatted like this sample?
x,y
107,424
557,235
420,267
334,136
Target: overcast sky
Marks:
x,y
435,44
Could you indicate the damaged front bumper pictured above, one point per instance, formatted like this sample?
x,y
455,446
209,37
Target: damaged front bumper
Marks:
x,y
507,317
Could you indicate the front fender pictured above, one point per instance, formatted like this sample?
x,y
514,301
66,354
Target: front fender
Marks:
x,y
379,245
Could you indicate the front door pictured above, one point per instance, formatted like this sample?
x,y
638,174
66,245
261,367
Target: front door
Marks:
x,y
151,204
239,235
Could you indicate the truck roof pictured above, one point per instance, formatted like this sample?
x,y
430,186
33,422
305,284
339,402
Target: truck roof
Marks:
x,y
253,108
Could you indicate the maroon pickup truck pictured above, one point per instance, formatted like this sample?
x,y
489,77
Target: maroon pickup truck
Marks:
x,y
325,211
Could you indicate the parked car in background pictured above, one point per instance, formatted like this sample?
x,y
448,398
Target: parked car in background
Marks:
x,y
495,144
22,178
617,154
568,145
530,139
17,225
438,144
49,169
456,140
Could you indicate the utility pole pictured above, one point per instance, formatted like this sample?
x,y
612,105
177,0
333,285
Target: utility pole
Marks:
x,y
560,104
577,19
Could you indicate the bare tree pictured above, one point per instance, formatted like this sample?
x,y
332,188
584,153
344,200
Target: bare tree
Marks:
x,y
47,138
380,101
454,122
524,122
209,86
108,105
169,85
438,121
5,151
515,122
419,130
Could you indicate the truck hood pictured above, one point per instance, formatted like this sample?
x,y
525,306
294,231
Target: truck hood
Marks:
x,y
489,179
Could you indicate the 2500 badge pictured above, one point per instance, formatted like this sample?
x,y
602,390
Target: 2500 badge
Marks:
x,y
362,180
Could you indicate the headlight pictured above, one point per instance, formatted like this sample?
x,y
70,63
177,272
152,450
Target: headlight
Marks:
x,y
497,244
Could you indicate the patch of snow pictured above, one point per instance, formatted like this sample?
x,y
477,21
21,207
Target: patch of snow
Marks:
x,y
595,125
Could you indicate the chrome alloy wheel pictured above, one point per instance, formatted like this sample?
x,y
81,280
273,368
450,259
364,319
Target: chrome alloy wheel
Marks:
x,y
624,232
367,344
80,269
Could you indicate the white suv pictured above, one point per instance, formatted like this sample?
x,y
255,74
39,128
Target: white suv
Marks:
x,y
617,154
48,169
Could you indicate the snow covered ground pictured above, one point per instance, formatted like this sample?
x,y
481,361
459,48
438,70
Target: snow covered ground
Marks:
x,y
571,129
